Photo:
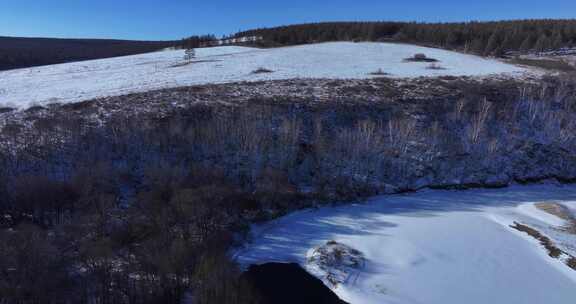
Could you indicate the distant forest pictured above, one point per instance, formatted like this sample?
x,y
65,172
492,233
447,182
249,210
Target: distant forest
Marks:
x,y
27,52
197,41
483,38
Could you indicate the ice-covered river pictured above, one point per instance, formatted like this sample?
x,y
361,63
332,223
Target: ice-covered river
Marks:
x,y
435,246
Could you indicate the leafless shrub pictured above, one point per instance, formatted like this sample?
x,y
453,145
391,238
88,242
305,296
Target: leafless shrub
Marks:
x,y
434,137
262,70
567,130
478,122
400,132
318,139
434,66
458,109
274,184
379,72
368,136
12,129
420,58
290,130
361,144
493,146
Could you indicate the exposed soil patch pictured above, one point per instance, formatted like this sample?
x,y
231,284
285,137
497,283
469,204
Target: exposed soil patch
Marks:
x,y
553,250
561,212
288,284
546,64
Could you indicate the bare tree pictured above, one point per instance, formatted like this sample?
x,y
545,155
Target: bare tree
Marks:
x,y
189,54
479,121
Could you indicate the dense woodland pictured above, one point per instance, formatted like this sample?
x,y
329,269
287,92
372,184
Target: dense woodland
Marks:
x,y
484,38
197,41
27,52
144,210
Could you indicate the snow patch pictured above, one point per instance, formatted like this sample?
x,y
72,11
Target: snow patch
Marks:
x,y
534,212
78,81
432,247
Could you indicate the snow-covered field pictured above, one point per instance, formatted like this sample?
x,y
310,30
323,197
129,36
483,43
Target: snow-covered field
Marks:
x,y
79,81
434,246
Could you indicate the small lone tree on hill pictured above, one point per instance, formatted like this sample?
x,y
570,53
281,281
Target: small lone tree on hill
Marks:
x,y
189,54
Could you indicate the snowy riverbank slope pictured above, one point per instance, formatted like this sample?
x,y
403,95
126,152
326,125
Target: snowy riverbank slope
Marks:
x,y
434,246
80,81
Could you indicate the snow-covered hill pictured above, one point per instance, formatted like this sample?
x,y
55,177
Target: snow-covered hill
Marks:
x,y
339,60
435,246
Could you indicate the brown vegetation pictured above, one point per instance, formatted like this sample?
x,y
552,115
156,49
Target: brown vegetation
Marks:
x,y
561,212
546,64
553,250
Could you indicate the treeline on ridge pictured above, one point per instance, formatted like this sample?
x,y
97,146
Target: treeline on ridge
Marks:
x,y
484,38
28,52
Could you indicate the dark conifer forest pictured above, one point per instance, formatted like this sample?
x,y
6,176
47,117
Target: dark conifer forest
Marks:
x,y
483,38
27,52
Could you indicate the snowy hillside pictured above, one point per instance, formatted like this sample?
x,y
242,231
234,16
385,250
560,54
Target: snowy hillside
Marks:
x,y
434,247
340,60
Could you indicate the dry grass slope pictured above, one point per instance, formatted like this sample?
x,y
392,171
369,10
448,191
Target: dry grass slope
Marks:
x,y
553,250
561,212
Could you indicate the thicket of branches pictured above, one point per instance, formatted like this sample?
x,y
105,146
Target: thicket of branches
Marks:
x,y
484,38
144,211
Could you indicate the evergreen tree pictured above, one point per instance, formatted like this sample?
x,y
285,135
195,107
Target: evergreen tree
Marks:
x,y
451,40
491,45
189,54
527,44
542,44
557,41
477,46
485,38
506,44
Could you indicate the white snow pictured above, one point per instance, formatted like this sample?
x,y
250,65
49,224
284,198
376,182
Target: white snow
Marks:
x,y
572,207
432,247
531,210
79,81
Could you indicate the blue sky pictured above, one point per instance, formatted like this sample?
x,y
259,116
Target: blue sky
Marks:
x,y
174,19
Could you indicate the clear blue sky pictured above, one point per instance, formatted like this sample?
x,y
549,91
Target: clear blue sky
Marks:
x,y
174,19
